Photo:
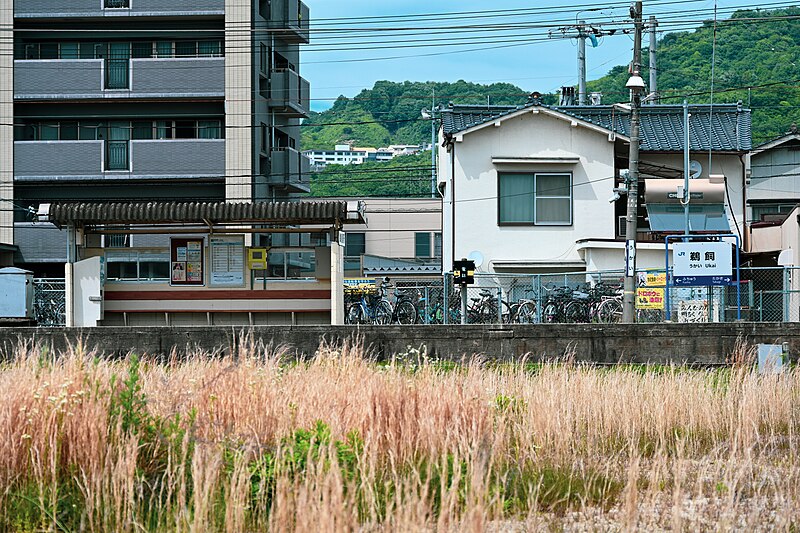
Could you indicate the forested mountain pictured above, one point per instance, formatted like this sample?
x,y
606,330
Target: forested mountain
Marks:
x,y
757,62
389,113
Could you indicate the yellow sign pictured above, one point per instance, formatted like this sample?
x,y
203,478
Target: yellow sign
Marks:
x,y
649,298
652,279
257,258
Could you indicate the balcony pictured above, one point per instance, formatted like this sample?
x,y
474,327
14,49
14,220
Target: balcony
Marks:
x,y
289,169
76,79
289,19
288,93
115,8
50,161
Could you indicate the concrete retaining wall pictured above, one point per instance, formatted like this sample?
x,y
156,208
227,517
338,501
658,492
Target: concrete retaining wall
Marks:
x,y
645,343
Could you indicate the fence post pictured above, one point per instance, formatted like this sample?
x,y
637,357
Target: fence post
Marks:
x,y
445,299
500,305
787,294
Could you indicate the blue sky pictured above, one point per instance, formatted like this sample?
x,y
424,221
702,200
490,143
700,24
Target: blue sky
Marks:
x,y
544,65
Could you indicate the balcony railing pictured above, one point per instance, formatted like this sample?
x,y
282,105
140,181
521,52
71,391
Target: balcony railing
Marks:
x,y
290,169
91,78
289,18
288,93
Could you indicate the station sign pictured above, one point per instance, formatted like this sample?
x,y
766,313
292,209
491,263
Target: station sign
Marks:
x,y
702,264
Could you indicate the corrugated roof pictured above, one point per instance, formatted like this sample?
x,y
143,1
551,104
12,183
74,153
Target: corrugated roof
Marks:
x,y
727,129
325,212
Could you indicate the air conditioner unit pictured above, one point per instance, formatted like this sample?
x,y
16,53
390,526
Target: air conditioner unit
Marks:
x,y
622,224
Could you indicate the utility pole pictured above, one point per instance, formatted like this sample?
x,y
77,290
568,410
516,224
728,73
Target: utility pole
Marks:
x,y
686,195
581,63
581,32
433,143
652,25
636,85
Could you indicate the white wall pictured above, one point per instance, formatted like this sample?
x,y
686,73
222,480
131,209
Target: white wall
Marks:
x,y
238,115
392,222
529,135
6,128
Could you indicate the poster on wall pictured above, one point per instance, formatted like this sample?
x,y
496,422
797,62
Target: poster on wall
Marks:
x,y
186,262
226,259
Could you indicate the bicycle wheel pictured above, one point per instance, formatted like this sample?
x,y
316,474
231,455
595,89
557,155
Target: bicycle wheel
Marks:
x,y
575,312
355,314
609,312
405,312
382,313
550,314
526,313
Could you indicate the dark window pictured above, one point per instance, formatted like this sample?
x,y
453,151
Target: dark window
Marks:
x,y
529,199
422,245
48,51
142,130
116,4
355,244
142,50
209,48
69,131
186,49
437,245
70,51
185,129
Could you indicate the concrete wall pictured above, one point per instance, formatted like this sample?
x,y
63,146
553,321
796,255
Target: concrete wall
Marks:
x,y
645,343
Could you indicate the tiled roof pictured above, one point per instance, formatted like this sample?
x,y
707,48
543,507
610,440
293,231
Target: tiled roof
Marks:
x,y
727,129
199,212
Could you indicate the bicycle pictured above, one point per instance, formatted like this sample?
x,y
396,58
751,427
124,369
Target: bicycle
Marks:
x,y
371,307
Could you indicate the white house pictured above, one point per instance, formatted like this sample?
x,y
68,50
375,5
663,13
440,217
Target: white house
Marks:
x,y
530,188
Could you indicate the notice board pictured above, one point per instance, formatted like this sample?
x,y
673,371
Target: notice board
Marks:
x,y
187,264
226,260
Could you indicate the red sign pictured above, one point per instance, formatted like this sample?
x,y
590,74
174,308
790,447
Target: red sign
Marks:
x,y
186,262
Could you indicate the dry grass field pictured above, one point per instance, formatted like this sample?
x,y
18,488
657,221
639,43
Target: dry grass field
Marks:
x,y
256,442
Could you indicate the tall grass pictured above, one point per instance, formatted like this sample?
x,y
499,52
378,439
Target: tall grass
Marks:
x,y
255,441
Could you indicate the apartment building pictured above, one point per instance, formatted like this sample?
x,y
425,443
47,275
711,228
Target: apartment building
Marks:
x,y
144,100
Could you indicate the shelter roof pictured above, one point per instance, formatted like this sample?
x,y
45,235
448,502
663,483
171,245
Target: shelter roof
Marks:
x,y
209,213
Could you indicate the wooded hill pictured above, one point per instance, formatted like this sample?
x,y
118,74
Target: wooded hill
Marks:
x,y
757,55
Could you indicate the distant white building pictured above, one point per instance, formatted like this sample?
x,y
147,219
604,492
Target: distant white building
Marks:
x,y
346,154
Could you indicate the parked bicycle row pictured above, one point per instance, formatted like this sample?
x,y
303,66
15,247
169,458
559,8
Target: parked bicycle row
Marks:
x,y
383,303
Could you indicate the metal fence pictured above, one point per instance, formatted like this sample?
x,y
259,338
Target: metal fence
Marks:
x,y
766,295
49,301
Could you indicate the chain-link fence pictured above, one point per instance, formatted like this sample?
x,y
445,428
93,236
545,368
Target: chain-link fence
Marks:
x,y
766,295
49,301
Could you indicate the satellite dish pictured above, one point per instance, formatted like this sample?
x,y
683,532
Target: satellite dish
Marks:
x,y
477,257
695,169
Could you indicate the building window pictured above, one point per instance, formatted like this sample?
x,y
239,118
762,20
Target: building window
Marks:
x,y
422,245
778,209
291,264
355,244
535,199
116,4
437,245
137,265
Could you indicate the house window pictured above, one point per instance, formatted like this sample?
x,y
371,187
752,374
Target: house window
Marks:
x,y
437,245
535,199
422,245
355,244
761,210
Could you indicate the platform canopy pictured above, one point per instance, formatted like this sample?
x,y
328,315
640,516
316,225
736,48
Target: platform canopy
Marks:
x,y
206,214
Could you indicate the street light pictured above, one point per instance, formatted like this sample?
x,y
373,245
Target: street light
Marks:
x,y
636,85
431,115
